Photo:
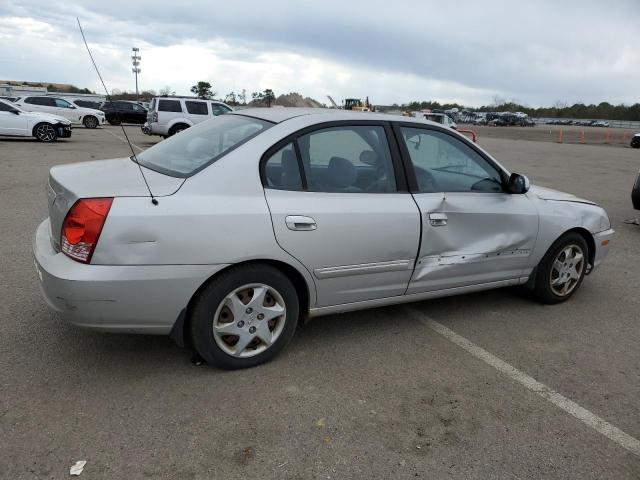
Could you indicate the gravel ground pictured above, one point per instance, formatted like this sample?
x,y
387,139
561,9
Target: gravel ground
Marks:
x,y
371,394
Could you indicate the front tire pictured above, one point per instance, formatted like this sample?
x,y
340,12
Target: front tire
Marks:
x,y
244,316
90,121
562,269
45,132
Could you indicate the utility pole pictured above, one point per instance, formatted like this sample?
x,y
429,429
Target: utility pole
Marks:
x,y
135,61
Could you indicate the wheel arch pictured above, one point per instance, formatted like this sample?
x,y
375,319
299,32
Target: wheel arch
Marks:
x,y
588,237
37,124
180,329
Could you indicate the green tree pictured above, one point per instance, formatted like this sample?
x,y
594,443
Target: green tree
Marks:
x,y
202,90
269,97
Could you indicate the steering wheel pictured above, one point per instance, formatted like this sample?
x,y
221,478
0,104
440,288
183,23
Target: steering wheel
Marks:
x,y
426,181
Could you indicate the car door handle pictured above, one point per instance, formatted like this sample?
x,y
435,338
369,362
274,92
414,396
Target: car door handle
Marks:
x,y
438,219
300,222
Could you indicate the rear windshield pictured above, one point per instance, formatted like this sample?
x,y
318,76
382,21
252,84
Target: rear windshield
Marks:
x,y
193,149
169,106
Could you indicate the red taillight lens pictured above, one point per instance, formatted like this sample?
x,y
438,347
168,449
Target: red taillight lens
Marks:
x,y
82,226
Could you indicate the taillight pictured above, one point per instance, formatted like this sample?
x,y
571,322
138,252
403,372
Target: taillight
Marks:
x,y
154,117
82,226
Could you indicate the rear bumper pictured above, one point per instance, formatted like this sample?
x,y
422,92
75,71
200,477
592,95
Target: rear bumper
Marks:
x,y
115,298
603,242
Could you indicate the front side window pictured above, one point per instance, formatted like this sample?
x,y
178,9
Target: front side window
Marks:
x,y
169,106
348,159
217,109
198,146
281,170
443,163
196,108
62,103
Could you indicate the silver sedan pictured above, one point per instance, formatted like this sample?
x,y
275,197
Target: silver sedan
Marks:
x,y
263,216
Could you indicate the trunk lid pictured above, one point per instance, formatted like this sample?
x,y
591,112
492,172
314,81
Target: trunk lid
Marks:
x,y
103,178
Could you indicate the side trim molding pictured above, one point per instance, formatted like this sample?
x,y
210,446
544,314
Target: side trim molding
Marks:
x,y
363,269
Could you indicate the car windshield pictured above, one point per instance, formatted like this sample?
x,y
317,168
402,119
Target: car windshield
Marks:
x,y
197,147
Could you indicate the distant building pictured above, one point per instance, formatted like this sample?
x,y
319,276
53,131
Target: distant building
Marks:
x,y
15,89
8,90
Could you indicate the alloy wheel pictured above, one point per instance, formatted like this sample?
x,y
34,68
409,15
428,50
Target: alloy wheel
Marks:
x,y
567,270
249,320
45,133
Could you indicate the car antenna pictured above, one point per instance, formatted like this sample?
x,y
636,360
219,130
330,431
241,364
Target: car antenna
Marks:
x,y
124,132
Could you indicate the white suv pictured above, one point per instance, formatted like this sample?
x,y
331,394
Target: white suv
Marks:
x,y
170,115
88,117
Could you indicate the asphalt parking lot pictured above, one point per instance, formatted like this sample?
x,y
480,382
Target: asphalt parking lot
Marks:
x,y
372,394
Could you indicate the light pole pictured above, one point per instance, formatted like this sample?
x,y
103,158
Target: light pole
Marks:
x,y
135,61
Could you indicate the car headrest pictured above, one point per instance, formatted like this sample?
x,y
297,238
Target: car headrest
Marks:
x,y
369,157
341,172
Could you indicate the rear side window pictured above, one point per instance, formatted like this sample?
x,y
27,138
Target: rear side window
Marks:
x,y
349,159
87,104
282,170
47,102
201,145
169,106
196,108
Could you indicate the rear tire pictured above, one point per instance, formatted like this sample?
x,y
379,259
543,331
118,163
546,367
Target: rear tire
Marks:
x,y
114,121
177,129
635,143
561,271
45,132
90,121
244,317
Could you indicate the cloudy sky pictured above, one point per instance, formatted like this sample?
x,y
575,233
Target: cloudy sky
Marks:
x,y
393,51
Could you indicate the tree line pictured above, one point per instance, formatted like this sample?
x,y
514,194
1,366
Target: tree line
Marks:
x,y
604,110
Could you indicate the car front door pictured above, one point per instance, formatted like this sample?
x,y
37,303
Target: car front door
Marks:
x,y
66,110
473,231
12,123
339,204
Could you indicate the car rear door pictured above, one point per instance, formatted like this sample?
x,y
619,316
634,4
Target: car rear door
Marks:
x,y
473,231
339,204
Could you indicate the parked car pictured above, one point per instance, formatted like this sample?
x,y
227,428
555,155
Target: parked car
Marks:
x,y
635,193
170,115
442,119
123,111
79,102
635,141
16,122
601,123
88,117
265,215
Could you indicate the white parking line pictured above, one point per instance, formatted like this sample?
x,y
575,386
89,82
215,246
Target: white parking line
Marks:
x,y
122,139
599,424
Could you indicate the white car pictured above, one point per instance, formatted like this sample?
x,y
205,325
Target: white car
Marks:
x,y
167,116
16,122
442,119
88,117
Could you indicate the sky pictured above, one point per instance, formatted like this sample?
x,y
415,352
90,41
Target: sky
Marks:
x,y
536,53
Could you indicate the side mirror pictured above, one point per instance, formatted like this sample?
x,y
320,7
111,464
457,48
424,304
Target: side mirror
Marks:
x,y
15,112
518,184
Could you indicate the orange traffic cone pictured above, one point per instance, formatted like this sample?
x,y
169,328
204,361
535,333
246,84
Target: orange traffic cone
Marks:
x,y
582,137
606,138
560,136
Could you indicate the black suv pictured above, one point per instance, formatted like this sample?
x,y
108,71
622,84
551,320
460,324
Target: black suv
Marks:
x,y
121,111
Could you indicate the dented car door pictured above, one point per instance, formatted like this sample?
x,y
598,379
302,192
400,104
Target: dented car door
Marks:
x,y
473,232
